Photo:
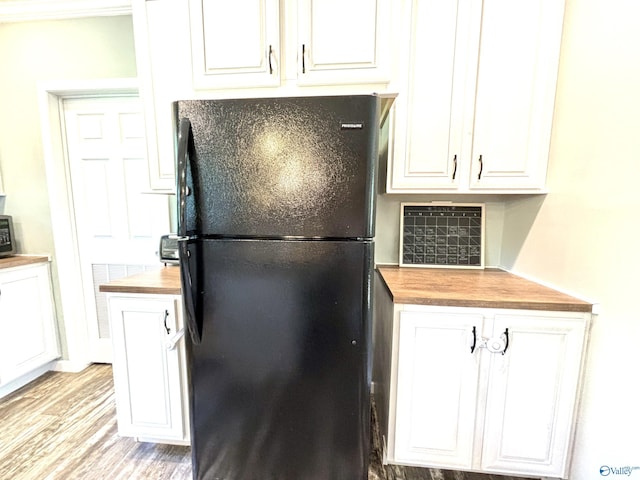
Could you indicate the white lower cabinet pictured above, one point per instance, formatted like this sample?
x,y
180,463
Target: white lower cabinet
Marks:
x,y
149,367
435,412
27,323
485,390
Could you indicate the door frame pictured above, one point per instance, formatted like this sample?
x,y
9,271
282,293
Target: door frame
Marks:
x,y
72,322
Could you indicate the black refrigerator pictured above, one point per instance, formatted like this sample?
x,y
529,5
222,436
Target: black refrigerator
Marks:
x,y
276,202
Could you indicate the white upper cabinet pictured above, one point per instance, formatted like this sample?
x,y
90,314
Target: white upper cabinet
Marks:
x,y
343,42
203,48
235,44
328,42
475,109
516,86
163,60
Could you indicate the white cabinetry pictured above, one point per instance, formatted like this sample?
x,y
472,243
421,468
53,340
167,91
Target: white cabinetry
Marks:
x,y
531,392
325,42
149,367
235,44
343,42
203,48
479,95
486,390
27,321
435,420
163,60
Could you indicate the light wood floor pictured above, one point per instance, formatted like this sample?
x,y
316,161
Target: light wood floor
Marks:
x,y
63,426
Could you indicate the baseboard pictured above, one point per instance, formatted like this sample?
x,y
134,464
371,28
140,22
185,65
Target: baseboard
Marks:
x,y
20,382
69,366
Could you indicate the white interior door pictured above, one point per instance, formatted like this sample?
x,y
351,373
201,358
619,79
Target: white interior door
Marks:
x,y
117,225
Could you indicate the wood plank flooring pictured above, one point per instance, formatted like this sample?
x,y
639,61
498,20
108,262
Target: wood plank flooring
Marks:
x,y
63,427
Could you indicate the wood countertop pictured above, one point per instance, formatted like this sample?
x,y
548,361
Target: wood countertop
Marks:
x,y
21,260
165,280
491,288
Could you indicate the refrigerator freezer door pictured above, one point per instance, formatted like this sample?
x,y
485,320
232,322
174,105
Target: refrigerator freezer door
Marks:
x,y
282,166
280,382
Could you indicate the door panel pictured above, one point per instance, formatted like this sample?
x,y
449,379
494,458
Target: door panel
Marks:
x,y
437,389
235,44
118,226
531,394
280,381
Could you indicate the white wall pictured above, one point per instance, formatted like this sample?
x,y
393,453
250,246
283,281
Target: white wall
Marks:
x,y
585,236
32,52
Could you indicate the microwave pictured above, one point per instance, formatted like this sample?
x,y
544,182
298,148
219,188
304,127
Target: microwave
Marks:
x,y
7,236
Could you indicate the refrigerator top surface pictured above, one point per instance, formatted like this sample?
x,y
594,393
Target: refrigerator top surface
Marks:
x,y
273,167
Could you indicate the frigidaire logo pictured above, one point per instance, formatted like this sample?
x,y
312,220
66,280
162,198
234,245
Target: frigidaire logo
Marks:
x,y
606,470
351,125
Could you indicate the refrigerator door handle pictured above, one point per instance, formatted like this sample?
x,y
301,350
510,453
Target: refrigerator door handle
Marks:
x,y
194,327
184,132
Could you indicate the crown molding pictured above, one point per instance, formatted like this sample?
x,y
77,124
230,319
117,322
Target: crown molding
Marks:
x,y
32,10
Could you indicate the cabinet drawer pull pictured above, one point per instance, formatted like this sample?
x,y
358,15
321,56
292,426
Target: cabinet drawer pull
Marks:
x,y
506,341
473,332
269,56
304,69
166,315
481,165
455,169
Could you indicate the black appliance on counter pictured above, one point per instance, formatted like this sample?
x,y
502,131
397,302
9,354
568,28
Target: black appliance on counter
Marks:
x,y
7,236
276,223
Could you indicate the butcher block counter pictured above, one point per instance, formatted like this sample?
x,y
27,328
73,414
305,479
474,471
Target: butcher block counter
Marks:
x,y
489,288
164,281
21,260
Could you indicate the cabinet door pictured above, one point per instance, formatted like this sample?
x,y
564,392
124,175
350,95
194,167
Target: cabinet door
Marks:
x,y
436,389
343,42
531,394
146,367
27,321
163,61
516,86
235,44
431,138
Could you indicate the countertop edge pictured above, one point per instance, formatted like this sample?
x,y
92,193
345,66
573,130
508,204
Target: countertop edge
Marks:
x,y
105,288
502,304
22,260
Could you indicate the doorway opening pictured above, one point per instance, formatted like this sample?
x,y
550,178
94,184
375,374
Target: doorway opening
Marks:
x,y
105,227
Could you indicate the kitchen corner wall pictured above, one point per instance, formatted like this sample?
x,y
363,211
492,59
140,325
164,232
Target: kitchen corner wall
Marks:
x,y
45,51
584,236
